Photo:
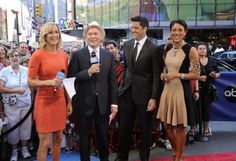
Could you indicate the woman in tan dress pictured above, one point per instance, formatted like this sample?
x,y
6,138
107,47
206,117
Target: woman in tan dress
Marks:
x,y
176,103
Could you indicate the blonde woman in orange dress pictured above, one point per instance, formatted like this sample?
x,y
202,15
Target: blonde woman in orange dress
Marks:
x,y
51,106
176,102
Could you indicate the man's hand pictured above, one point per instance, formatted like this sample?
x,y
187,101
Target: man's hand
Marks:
x,y
151,105
94,69
114,110
69,109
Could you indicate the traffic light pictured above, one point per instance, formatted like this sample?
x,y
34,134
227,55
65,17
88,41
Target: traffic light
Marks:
x,y
38,10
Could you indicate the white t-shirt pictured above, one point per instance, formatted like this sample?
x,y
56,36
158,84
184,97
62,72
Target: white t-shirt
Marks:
x,y
13,80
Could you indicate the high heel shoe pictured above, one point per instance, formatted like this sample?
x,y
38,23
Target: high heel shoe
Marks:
x,y
208,133
190,137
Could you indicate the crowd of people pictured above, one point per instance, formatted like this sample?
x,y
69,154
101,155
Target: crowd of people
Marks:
x,y
131,87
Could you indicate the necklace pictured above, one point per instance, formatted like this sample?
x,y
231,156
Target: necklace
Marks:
x,y
175,51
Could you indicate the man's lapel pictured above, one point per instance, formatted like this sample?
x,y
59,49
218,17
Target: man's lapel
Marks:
x,y
143,51
102,58
130,54
87,56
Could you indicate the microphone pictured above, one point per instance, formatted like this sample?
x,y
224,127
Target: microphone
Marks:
x,y
60,75
93,58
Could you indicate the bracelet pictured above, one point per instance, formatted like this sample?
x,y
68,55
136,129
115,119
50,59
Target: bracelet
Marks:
x,y
196,91
182,76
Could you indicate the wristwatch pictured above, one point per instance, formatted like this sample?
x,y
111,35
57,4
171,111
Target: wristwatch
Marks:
x,y
182,76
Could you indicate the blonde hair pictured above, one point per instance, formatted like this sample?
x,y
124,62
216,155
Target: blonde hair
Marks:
x,y
46,28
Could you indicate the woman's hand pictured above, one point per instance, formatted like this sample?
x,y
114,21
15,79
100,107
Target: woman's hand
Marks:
x,y
169,76
196,96
57,82
19,90
203,78
212,74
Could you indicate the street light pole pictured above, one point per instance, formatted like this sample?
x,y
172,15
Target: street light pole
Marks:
x,y
73,8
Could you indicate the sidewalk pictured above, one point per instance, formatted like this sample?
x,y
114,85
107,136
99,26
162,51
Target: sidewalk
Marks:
x,y
222,140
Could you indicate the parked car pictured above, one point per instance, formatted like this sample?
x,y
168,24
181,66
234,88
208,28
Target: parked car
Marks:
x,y
223,66
228,56
224,108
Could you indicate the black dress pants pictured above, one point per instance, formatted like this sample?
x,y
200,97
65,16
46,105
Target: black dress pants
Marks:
x,y
128,112
85,131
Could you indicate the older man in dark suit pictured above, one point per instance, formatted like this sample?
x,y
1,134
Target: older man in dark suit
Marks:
x,y
96,91
141,89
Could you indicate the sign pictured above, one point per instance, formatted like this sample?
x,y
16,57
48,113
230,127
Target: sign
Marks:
x,y
225,108
66,24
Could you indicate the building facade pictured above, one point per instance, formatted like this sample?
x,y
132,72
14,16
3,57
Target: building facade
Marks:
x,y
16,20
215,18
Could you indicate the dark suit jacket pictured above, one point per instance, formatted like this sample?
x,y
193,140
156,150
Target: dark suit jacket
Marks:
x,y
103,84
145,74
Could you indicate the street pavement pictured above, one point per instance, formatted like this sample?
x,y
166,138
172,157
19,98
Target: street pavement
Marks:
x,y
222,140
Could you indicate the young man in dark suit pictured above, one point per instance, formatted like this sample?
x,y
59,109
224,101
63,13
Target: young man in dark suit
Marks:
x,y
96,91
141,90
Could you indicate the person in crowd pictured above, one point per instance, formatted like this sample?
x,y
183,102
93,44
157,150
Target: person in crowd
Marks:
x,y
73,50
209,72
210,49
24,60
4,62
112,46
67,51
16,98
140,90
33,142
192,133
52,103
219,49
176,106
5,44
169,40
95,72
3,57
23,49
230,47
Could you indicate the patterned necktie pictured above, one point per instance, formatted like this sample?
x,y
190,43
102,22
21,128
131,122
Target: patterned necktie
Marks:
x,y
134,53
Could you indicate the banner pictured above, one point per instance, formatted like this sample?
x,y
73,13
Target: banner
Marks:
x,y
225,108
